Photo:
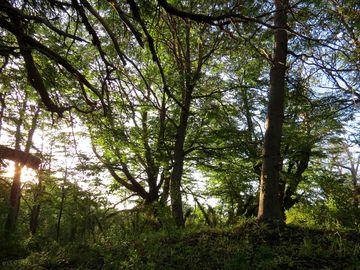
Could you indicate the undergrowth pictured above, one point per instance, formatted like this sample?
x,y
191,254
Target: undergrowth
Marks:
x,y
246,246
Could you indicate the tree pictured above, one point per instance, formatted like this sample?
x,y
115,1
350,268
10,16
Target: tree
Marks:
x,y
35,209
351,164
269,204
141,77
19,156
312,120
15,193
301,16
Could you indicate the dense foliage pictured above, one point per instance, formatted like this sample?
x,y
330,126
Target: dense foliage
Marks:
x,y
172,126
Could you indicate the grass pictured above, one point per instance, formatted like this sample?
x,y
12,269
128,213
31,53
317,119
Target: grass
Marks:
x,y
247,246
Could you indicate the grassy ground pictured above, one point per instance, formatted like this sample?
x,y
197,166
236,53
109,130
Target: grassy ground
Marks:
x,y
248,246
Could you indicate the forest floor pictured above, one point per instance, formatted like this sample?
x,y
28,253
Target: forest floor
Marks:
x,y
249,246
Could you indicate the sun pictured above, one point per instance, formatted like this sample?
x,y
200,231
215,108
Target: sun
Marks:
x,y
28,175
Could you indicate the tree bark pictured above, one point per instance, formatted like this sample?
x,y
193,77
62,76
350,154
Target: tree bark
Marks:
x,y
14,207
165,187
179,153
34,218
35,210
354,168
2,110
22,158
177,172
15,193
269,204
178,167
19,156
290,192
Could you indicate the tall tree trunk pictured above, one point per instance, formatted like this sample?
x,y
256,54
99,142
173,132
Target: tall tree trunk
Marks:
x,y
62,202
34,218
14,207
15,193
178,166
35,210
177,172
354,168
179,153
2,109
269,204
63,194
39,191
152,167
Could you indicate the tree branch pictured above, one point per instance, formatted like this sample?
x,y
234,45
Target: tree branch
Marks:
x,y
26,159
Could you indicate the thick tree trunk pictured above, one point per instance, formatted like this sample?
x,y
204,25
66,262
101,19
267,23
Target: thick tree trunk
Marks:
x,y
15,193
179,153
14,206
177,172
269,204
